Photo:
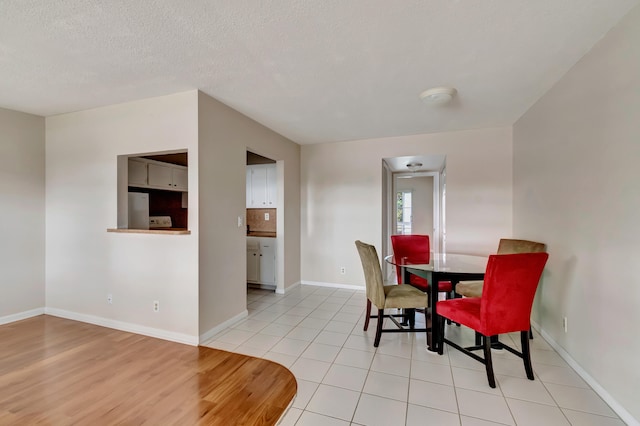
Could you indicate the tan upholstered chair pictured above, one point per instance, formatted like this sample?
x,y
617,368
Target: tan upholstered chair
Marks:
x,y
506,246
401,296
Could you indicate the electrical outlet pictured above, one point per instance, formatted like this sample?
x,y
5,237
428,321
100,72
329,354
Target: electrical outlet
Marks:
x,y
564,323
266,216
156,306
109,299
343,270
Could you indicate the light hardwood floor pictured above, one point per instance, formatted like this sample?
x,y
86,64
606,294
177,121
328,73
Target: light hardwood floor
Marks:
x,y
59,372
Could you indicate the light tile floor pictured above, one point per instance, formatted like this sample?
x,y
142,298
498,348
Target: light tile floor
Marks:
x,y
317,333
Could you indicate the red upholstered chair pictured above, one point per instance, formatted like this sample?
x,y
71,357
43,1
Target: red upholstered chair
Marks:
x,y
416,249
506,246
510,284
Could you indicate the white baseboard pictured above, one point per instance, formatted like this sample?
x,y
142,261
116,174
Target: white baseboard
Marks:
x,y
125,326
218,328
288,289
597,388
21,315
333,285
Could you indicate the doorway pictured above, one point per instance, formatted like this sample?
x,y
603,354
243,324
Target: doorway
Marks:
x,y
263,222
413,201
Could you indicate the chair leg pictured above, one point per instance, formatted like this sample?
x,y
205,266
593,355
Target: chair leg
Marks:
x,y
376,342
478,338
426,325
411,317
530,333
367,315
526,354
487,359
440,342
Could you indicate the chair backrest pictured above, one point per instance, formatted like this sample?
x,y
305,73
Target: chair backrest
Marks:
x,y
413,247
372,273
508,246
510,284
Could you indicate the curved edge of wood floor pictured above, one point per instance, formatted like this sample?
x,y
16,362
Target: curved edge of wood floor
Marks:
x,y
59,371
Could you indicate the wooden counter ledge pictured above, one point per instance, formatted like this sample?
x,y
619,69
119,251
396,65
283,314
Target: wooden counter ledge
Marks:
x,y
172,231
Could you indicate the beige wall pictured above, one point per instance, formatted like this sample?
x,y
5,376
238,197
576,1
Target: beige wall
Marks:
x,y
22,214
577,188
342,196
84,263
224,137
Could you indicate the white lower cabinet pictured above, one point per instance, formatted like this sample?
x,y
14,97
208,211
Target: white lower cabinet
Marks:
x,y
261,260
268,261
253,266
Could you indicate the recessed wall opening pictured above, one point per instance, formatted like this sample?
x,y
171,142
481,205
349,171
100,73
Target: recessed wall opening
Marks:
x,y
153,191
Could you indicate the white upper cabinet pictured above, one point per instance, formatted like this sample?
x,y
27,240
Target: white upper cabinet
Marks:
x,y
180,178
262,186
145,173
160,176
137,172
272,186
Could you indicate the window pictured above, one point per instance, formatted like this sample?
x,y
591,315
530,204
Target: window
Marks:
x,y
403,212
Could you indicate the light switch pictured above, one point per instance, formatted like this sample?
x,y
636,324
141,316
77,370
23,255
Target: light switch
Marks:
x,y
240,221
266,216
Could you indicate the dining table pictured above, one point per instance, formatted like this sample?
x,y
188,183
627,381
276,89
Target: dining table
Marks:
x,y
453,267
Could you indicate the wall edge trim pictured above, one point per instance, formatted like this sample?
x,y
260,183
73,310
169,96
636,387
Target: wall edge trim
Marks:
x,y
597,387
218,328
332,285
125,326
21,315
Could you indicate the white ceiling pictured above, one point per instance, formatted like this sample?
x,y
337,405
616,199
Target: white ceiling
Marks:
x,y
314,71
429,163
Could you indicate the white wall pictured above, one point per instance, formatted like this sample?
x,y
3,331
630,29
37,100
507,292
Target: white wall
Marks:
x,y
83,262
22,214
342,196
577,188
225,135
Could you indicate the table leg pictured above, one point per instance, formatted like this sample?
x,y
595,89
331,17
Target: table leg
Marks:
x,y
433,297
406,277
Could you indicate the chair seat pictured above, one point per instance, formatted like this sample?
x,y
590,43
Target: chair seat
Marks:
x,y
466,311
470,288
404,296
422,284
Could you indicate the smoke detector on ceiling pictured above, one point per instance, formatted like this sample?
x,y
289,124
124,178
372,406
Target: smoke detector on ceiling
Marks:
x,y
438,95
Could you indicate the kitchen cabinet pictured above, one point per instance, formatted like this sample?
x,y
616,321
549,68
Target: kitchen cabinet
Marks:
x,y
268,261
145,173
262,186
179,177
253,263
137,172
261,261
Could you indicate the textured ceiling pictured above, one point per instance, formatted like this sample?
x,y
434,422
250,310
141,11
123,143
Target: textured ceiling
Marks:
x,y
314,71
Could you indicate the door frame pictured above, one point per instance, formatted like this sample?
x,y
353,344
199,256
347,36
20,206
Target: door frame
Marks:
x,y
389,206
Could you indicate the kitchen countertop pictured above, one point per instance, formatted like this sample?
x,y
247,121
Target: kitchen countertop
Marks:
x,y
261,234
159,231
